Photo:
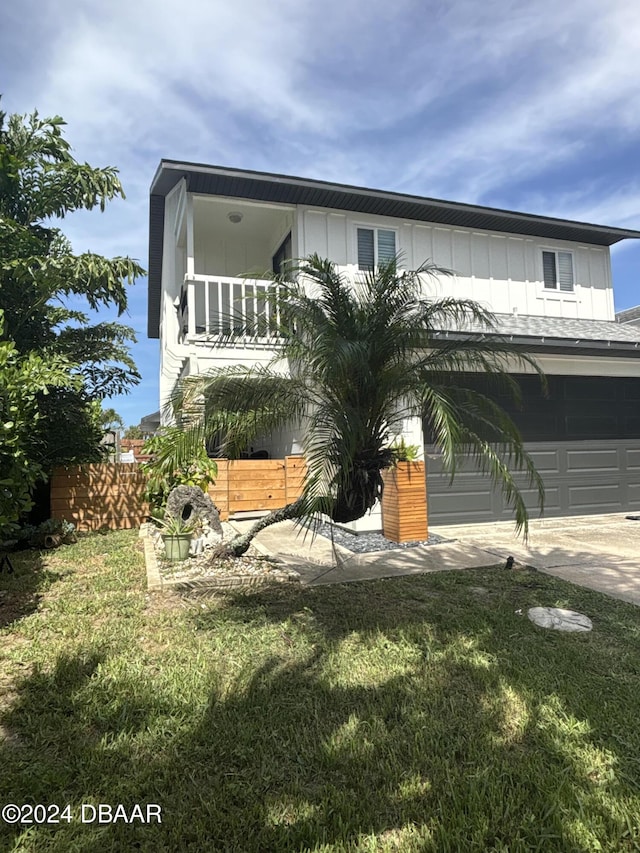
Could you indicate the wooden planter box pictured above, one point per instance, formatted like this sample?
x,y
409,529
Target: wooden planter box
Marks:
x,y
404,502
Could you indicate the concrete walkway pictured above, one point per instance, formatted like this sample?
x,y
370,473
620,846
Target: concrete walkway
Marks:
x,y
600,552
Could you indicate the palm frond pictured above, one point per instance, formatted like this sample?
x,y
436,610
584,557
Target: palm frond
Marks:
x,y
465,422
239,404
364,352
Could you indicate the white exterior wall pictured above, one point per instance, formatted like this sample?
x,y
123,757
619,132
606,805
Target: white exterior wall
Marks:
x,y
204,358
501,271
174,261
584,365
218,256
200,240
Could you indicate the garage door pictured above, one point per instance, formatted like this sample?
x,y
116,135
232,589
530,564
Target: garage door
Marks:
x,y
580,477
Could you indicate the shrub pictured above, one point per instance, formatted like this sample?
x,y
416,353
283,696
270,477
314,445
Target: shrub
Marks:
x,y
165,471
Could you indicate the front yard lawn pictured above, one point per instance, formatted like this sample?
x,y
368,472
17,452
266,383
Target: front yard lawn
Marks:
x,y
417,714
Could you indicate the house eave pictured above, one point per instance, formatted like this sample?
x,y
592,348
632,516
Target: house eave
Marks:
x,y
558,346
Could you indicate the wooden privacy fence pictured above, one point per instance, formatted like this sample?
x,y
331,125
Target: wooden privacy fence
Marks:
x,y
250,485
101,495
111,495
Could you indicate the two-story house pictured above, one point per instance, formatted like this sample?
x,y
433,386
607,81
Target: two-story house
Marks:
x,y
548,281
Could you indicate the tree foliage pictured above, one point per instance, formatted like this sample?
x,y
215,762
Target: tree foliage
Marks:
x,y
110,419
133,432
23,380
363,356
41,183
164,472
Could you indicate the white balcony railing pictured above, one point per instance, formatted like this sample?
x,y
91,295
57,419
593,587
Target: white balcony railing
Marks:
x,y
218,307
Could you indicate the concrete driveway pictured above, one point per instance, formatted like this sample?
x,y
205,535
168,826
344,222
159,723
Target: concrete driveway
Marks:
x,y
601,552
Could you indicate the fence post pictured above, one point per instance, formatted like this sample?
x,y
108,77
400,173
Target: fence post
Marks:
x,y
294,474
219,491
404,502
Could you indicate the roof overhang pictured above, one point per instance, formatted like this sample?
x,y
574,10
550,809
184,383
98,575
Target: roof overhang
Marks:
x,y
535,345
283,189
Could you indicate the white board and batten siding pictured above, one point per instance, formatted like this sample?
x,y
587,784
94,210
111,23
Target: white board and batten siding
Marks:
x,y
501,271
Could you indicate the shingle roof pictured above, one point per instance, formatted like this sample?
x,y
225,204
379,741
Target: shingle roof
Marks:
x,y
561,334
629,315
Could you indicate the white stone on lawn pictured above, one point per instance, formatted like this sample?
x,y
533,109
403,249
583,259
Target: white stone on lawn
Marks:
x,y
559,619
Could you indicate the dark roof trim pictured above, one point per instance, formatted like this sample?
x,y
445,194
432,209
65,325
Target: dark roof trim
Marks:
x,y
154,280
265,186
561,346
283,189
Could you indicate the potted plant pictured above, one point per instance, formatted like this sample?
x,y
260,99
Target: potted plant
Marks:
x,y
177,535
404,452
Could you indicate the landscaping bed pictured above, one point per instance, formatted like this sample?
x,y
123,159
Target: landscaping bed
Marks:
x,y
368,543
205,573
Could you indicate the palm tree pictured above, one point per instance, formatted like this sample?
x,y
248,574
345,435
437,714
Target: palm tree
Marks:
x,y
362,356
110,420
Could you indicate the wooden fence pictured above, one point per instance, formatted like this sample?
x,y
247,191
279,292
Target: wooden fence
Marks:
x,y
110,495
404,502
135,444
249,485
102,495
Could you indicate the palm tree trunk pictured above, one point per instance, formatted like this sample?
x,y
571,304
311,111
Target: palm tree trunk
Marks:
x,y
240,543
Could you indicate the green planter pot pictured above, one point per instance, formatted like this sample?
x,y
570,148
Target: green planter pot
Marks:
x,y
176,546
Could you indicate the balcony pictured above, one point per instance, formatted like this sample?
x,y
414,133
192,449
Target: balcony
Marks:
x,y
233,311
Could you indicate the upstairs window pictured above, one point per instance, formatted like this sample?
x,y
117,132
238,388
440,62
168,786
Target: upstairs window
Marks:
x,y
557,269
375,246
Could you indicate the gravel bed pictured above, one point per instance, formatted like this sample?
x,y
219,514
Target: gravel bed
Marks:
x,y
255,565
252,564
365,543
205,566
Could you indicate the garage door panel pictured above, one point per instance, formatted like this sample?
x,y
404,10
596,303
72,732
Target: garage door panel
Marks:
x,y
592,460
580,478
458,500
606,495
632,459
466,467
551,498
546,460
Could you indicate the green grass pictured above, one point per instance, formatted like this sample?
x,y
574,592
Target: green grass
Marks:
x,y
417,714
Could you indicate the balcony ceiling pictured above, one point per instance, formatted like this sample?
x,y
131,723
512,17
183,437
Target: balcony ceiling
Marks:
x,y
259,222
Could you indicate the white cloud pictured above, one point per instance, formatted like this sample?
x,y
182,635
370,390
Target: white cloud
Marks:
x,y
472,94
461,100
546,111
588,203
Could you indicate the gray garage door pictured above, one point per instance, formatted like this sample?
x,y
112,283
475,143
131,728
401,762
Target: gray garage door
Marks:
x,y
580,477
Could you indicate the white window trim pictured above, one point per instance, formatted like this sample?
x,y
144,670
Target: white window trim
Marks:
x,y
555,292
375,228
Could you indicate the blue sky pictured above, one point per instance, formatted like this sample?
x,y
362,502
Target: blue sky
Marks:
x,y
531,106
